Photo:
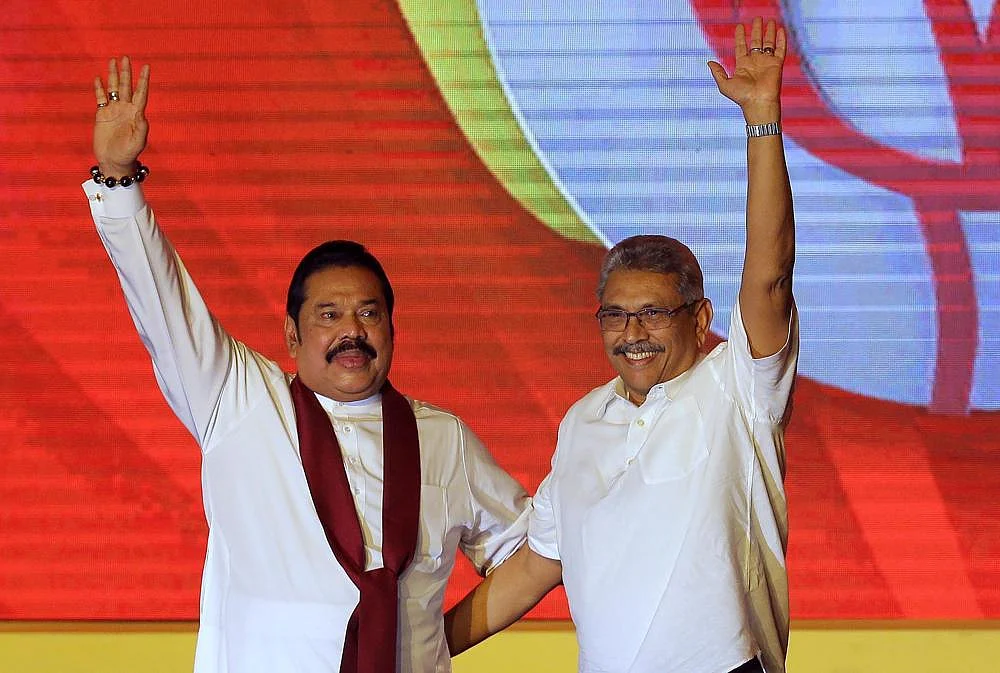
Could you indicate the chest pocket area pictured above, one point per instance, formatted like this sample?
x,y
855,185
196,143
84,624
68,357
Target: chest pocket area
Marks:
x,y
433,526
678,446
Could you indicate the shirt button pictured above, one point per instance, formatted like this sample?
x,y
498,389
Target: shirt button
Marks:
x,y
347,428
630,461
640,422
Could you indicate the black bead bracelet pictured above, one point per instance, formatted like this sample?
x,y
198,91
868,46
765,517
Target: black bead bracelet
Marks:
x,y
140,174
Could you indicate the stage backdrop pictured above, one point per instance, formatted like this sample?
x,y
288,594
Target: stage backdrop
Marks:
x,y
488,153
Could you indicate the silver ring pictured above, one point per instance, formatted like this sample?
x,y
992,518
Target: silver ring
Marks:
x,y
768,50
753,49
113,95
100,105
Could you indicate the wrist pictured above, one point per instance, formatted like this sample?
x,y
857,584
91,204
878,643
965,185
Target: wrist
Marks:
x,y
117,170
762,113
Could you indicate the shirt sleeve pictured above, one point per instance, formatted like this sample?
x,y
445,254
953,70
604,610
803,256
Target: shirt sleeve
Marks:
x,y
500,507
191,353
543,529
542,535
764,385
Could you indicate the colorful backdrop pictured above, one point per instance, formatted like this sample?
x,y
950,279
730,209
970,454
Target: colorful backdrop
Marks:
x,y
488,153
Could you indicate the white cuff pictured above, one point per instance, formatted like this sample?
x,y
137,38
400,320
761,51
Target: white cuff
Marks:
x,y
114,202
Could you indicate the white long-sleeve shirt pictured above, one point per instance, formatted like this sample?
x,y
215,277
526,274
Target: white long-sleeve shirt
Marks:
x,y
274,597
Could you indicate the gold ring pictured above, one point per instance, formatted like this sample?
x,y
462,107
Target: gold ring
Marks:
x,y
113,95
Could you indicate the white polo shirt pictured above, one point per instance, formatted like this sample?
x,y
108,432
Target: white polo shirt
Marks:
x,y
670,518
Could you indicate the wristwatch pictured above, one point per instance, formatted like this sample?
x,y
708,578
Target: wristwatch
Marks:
x,y
758,130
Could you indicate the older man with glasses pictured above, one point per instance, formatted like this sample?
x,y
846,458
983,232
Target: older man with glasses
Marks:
x,y
665,510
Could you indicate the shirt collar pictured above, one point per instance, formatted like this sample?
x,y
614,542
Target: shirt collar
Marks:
x,y
615,390
367,405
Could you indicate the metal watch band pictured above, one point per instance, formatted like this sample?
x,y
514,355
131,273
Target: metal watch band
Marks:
x,y
758,130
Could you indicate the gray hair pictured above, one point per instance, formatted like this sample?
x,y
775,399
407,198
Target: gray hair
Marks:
x,y
660,254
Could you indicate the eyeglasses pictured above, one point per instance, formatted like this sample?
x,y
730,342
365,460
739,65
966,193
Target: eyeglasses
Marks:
x,y
652,317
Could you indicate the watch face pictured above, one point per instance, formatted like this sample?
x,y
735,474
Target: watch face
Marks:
x,y
897,223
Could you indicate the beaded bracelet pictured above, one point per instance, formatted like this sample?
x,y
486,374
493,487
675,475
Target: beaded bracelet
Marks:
x,y
140,174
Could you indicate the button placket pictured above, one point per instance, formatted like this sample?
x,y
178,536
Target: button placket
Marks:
x,y
351,441
637,436
348,439
639,428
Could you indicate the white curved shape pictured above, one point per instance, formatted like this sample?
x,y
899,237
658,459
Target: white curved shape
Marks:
x,y
982,12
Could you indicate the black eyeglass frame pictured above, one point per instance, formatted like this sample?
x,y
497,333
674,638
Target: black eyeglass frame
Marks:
x,y
658,313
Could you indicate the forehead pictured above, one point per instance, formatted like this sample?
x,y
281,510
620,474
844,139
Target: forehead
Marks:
x,y
634,289
343,284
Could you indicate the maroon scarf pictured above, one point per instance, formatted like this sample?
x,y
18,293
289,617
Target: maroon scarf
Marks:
x,y
374,623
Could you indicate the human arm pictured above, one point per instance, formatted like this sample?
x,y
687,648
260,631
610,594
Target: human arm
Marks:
x,y
517,577
765,294
501,599
190,352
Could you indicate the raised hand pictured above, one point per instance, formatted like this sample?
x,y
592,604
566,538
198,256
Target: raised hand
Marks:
x,y
121,128
755,84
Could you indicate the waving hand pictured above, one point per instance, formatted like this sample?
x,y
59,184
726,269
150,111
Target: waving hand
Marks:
x,y
121,128
755,84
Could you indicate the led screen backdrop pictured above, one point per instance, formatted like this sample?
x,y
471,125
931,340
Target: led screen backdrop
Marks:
x,y
488,154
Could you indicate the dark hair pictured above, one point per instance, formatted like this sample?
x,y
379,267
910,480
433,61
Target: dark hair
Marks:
x,y
660,254
334,254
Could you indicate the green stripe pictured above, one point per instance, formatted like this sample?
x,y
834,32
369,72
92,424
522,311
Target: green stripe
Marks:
x,y
450,37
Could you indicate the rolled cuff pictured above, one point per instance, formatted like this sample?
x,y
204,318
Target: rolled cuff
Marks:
x,y
542,538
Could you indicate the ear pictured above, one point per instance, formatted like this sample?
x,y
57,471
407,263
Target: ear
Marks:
x,y
291,337
703,320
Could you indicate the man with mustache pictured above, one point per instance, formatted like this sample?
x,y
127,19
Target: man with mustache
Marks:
x,y
665,508
335,505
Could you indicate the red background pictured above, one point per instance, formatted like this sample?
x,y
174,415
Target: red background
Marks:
x,y
277,125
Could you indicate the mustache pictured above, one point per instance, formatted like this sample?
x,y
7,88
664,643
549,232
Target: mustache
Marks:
x,y
638,347
351,345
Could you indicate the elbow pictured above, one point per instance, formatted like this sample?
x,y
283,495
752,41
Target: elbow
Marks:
x,y
780,295
780,281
